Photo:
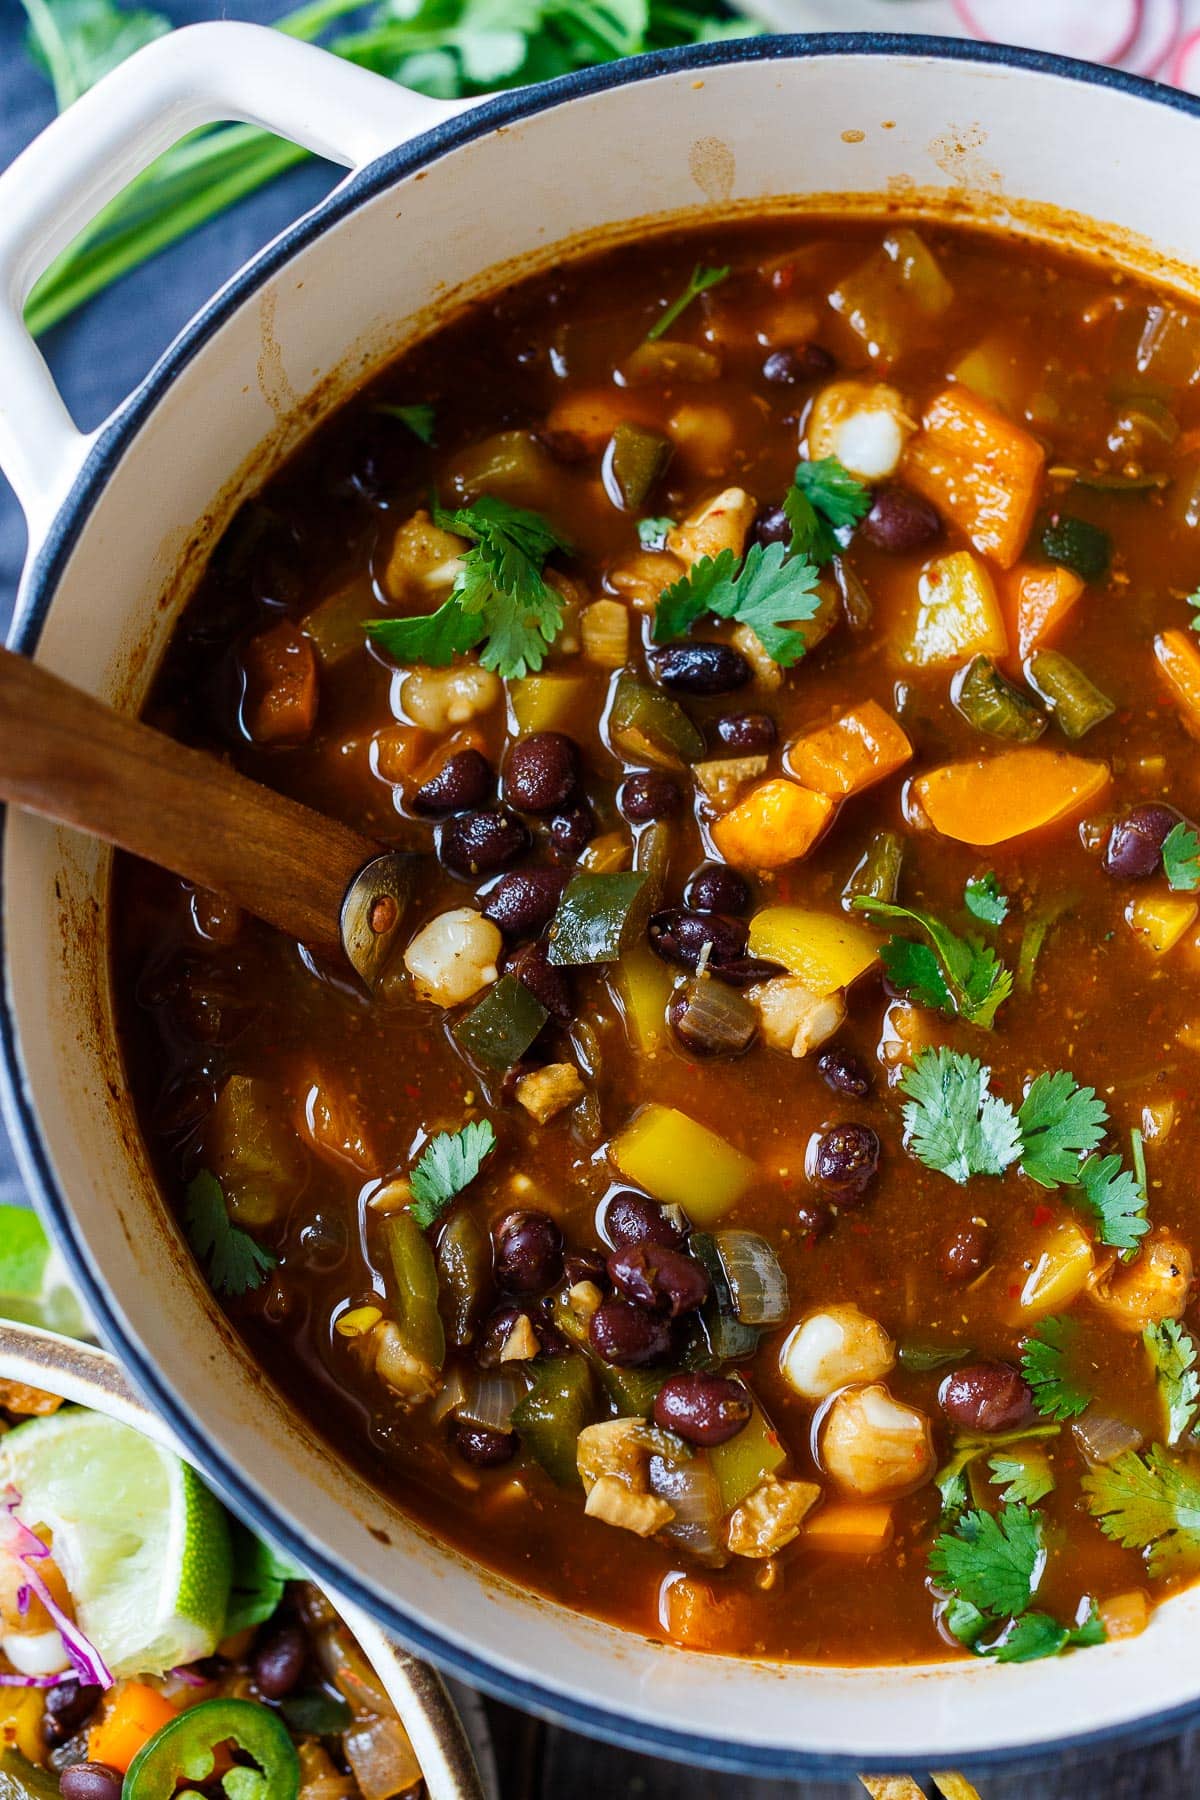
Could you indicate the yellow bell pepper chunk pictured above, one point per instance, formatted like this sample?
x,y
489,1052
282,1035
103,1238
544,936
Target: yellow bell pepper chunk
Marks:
x,y
958,614
1160,920
643,983
547,702
826,951
1061,1264
682,1163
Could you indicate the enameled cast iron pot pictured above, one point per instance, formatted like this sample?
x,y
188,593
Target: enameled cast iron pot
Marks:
x,y
447,201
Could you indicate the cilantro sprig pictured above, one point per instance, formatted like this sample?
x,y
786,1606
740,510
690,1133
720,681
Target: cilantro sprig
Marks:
x,y
768,592
990,1566
1047,1363
958,975
500,597
953,1121
699,282
1060,1123
1181,859
448,1164
823,500
1149,1503
1172,1353
235,1263
983,899
969,1446
652,532
418,418
1024,1476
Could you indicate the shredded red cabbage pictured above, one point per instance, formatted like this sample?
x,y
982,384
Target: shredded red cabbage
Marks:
x,y
29,1550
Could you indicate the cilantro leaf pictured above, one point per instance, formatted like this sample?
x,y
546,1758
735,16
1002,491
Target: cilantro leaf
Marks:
x,y
993,1562
652,533
1024,1477
824,498
260,1575
973,983
1181,856
950,1479
1172,1353
1036,1635
448,1164
1193,600
768,592
1115,1200
235,1263
1149,1503
1057,1392
699,282
1061,1123
953,1121
982,898
419,418
499,598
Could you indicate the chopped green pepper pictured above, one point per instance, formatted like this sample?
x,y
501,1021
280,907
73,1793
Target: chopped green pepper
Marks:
x,y
22,1780
728,1339
316,1712
991,704
415,1288
919,1359
1076,702
1078,545
502,1026
645,725
632,1391
598,917
742,1462
552,1415
464,1267
185,1749
876,875
633,462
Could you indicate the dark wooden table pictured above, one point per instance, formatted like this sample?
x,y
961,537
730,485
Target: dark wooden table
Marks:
x,y
98,356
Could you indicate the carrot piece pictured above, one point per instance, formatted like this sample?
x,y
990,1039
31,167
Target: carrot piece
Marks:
x,y
1002,797
280,666
1179,660
691,1614
777,822
1036,601
864,746
851,1528
979,469
137,1712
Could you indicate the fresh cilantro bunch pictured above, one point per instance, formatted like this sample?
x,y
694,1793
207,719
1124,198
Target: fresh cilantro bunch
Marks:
x,y
1149,1503
236,1264
500,597
768,591
990,1566
448,1164
960,976
823,501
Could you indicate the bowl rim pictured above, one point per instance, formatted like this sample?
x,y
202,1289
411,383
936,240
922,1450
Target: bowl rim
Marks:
x,y
46,567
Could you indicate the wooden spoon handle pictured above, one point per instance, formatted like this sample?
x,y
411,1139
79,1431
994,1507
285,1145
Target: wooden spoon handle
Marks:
x,y
69,757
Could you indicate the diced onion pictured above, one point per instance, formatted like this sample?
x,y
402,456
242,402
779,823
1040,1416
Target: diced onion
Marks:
x,y
1102,1439
451,1397
491,1397
382,1757
691,1488
757,1284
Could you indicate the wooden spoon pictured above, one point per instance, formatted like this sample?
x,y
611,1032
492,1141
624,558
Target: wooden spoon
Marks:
x,y
69,757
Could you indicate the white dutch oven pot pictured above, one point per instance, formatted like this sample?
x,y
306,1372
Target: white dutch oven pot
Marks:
x,y
445,202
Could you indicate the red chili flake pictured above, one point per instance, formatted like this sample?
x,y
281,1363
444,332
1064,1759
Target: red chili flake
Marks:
x,y
861,1230
1042,1215
413,1092
1014,1291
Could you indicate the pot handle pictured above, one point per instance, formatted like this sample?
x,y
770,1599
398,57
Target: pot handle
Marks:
x,y
201,75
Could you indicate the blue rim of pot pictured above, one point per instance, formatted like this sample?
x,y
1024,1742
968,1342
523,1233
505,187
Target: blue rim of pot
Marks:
x,y
562,1708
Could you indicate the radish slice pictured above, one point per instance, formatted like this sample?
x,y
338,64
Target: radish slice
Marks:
x,y
1185,67
1157,35
1097,32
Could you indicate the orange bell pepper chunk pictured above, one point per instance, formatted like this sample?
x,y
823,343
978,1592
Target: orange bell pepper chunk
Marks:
x,y
864,746
691,1614
851,1528
593,414
777,822
136,1713
280,666
979,469
1036,601
1179,660
1005,796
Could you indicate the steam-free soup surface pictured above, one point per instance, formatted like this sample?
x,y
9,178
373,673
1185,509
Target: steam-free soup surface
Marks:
x,y
680,1230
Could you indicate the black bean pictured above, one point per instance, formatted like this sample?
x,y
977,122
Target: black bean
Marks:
x,y
702,1409
585,1265
844,1071
647,796
656,1276
628,1335
987,1396
813,1219
542,771
679,936
771,526
279,1660
464,780
498,1329
571,831
702,668
482,1448
481,843
69,1705
523,903
804,362
528,1249
716,888
964,1255
324,1242
90,1781
631,1218
900,521
751,732
544,979
1134,848
846,1160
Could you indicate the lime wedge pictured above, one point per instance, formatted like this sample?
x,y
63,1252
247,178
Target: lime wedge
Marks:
x,y
35,1288
142,1545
